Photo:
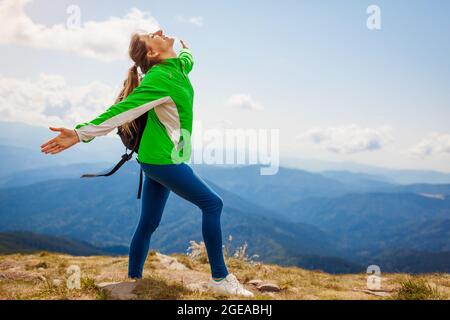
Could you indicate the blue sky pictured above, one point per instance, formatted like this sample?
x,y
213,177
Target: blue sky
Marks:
x,y
335,89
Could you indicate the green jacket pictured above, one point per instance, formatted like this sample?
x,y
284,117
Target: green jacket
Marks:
x,y
167,95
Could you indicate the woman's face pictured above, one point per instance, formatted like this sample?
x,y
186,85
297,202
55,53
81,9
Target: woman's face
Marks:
x,y
158,42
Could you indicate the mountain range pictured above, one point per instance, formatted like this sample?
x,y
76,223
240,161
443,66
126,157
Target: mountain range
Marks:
x,y
336,221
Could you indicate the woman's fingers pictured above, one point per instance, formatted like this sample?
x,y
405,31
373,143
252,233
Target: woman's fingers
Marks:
x,y
62,142
51,150
46,144
57,150
49,147
49,142
56,129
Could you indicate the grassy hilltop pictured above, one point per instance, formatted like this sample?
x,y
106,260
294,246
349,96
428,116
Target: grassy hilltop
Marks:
x,y
43,275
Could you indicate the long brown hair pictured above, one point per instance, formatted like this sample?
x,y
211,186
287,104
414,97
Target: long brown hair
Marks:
x,y
138,53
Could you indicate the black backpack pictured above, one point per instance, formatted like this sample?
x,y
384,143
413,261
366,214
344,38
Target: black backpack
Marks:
x,y
131,143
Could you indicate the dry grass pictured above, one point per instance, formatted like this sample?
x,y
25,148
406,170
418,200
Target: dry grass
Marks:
x,y
418,288
32,276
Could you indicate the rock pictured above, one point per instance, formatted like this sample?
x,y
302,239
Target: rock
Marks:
x,y
268,287
255,282
119,290
7,264
42,278
14,275
57,282
378,293
170,262
41,269
199,286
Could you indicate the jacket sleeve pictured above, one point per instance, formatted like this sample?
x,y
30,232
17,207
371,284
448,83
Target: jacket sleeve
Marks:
x,y
187,60
148,95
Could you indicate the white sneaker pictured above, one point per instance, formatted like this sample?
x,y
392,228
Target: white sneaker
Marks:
x,y
229,285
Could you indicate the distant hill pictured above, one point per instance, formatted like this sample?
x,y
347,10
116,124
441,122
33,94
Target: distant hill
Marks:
x,y
423,188
28,242
395,176
31,176
15,160
105,211
361,182
295,218
107,149
412,261
287,186
375,222
20,149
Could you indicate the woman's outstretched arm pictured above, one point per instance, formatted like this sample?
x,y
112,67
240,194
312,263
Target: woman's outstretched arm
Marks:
x,y
149,94
186,58
63,141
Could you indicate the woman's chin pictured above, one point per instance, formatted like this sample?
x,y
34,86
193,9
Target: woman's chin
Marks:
x,y
170,46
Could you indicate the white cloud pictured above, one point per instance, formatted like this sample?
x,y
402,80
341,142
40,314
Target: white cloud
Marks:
x,y
104,40
197,21
244,101
49,100
434,144
349,139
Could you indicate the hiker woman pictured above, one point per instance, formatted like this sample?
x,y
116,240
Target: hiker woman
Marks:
x,y
166,93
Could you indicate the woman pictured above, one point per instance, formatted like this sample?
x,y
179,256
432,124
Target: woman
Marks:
x,y
166,93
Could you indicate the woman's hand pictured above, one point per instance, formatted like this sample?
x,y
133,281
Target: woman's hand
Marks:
x,y
184,44
65,140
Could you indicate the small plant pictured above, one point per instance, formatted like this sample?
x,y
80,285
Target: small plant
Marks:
x,y
241,254
53,289
417,289
43,265
287,283
227,248
197,251
88,284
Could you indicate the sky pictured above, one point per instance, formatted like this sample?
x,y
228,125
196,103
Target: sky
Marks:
x,y
335,89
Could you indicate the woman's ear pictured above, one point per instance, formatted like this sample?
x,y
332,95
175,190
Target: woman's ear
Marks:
x,y
152,55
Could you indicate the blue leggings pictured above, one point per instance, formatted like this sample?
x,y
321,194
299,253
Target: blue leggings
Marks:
x,y
159,180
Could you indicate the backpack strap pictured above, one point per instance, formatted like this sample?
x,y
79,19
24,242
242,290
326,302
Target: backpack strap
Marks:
x,y
125,157
140,185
